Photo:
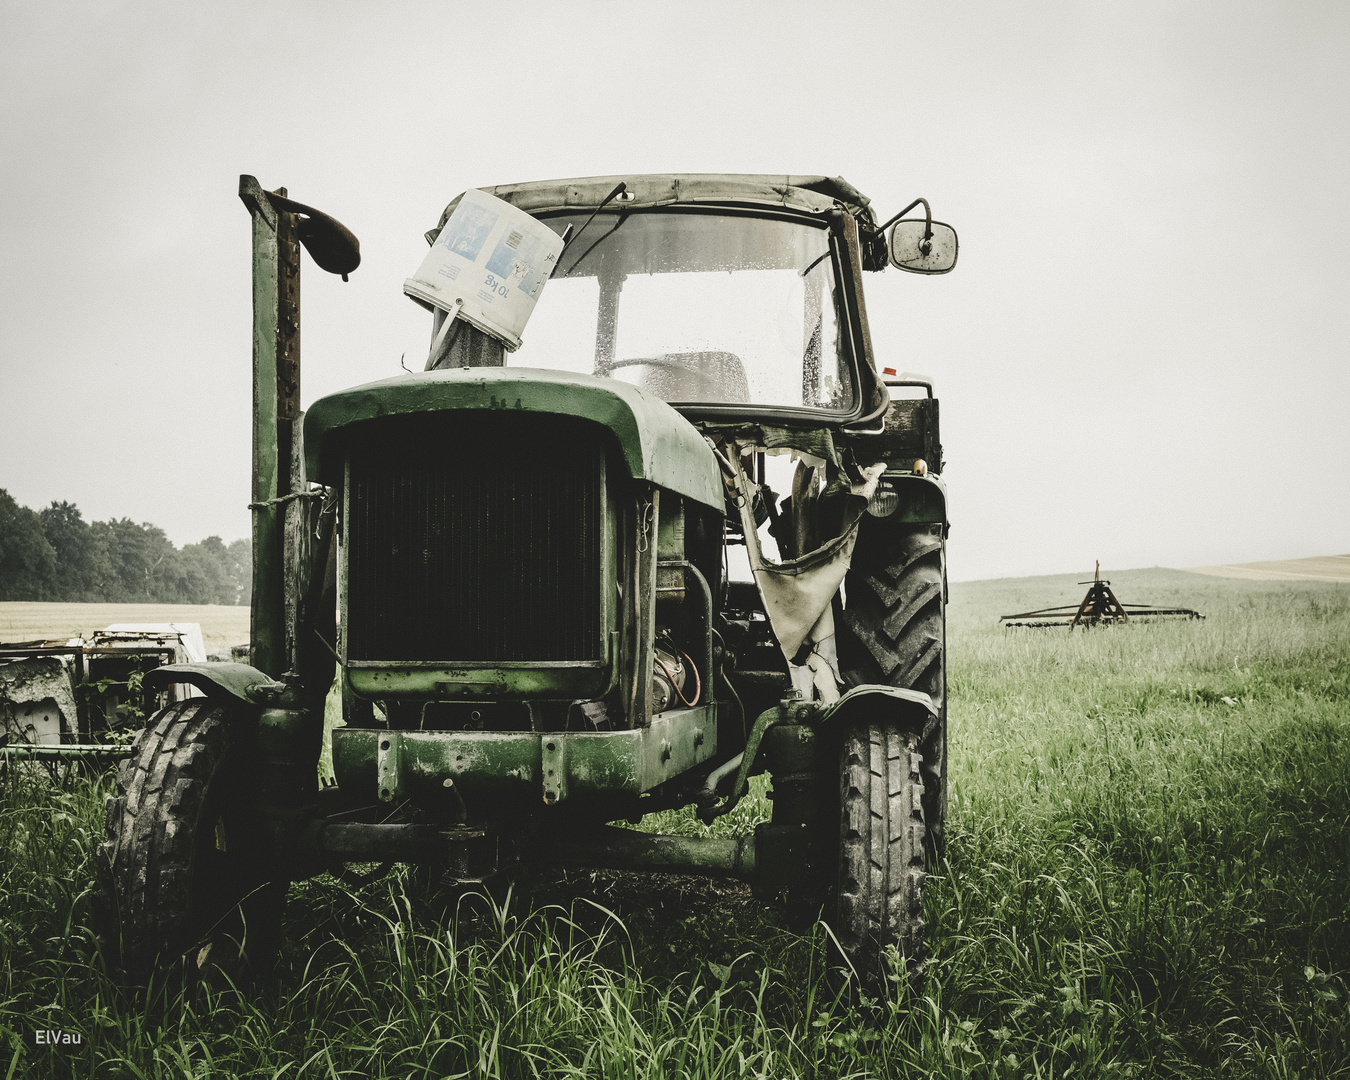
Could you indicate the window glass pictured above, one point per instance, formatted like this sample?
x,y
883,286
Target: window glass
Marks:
x,y
698,308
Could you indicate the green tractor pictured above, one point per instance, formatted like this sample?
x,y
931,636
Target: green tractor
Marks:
x,y
555,584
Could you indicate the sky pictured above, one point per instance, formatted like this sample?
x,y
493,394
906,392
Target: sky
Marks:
x,y
1141,356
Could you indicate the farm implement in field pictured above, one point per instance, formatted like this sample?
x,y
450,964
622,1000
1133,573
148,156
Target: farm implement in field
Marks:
x,y
1098,608
516,563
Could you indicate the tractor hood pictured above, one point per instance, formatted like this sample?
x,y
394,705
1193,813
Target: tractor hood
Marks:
x,y
655,442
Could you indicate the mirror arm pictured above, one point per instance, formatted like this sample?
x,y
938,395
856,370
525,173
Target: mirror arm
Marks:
x,y
926,246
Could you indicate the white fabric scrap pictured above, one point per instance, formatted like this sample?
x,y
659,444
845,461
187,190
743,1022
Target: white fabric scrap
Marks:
x,y
819,677
797,593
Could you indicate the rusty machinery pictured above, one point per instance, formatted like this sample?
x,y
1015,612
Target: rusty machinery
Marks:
x,y
1099,607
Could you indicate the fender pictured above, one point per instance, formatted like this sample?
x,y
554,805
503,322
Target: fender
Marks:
x,y
240,681
922,498
915,708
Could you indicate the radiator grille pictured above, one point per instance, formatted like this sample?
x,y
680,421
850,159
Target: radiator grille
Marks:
x,y
475,537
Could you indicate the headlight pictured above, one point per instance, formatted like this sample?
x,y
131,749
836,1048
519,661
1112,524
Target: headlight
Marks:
x,y
884,502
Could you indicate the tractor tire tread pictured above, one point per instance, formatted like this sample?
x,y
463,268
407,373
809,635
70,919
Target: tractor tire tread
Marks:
x,y
882,858
146,860
892,633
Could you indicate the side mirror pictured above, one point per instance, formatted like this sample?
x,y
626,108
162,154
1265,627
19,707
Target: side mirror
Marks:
x,y
922,247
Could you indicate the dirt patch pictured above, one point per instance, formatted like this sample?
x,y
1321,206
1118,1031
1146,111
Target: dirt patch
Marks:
x,y
1318,568
222,626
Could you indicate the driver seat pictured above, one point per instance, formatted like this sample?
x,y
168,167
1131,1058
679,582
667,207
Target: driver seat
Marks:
x,y
703,376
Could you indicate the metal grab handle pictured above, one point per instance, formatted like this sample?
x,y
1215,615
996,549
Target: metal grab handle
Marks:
x,y
900,380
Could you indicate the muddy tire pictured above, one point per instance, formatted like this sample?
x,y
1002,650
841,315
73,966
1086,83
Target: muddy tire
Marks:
x,y
892,632
181,869
879,899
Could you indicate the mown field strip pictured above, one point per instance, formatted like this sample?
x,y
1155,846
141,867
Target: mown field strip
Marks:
x,y
1320,568
222,626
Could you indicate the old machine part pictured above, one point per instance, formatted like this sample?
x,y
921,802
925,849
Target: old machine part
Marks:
x,y
1098,608
70,700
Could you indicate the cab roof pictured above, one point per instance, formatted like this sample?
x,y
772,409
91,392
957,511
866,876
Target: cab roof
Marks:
x,y
813,194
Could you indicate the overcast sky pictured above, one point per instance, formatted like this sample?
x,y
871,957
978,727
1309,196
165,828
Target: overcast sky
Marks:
x,y
1141,357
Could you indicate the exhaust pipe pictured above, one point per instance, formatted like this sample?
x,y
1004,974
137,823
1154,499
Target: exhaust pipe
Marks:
x,y
280,226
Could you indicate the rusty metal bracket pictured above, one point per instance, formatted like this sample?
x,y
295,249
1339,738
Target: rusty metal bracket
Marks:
x,y
554,767
389,765
789,710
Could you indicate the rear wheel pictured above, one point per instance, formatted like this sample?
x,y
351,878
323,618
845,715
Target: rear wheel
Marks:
x,y
182,867
893,633
881,848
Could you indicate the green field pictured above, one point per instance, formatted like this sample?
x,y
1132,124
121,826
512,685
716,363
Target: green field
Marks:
x,y
1148,873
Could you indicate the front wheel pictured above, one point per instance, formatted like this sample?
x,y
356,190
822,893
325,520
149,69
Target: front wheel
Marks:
x,y
881,848
182,868
893,633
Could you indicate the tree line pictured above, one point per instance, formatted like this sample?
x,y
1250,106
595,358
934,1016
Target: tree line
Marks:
x,y
55,555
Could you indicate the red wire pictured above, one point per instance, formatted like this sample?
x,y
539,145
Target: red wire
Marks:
x,y
698,683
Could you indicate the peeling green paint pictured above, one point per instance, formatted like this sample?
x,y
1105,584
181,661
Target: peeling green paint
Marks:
x,y
517,763
656,443
443,682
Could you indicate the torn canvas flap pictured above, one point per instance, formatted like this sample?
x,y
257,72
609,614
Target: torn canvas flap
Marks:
x,y
797,592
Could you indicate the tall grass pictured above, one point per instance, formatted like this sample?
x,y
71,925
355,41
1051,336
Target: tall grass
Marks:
x,y
1147,875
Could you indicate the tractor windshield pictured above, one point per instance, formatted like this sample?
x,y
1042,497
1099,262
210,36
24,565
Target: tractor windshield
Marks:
x,y
699,307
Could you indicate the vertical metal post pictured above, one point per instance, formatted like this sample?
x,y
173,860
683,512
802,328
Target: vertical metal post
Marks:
x,y
268,609
644,608
282,522
290,471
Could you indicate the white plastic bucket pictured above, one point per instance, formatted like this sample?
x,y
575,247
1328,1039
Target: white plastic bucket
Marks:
x,y
488,266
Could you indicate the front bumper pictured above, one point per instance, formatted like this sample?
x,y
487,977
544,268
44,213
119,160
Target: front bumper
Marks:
x,y
525,765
